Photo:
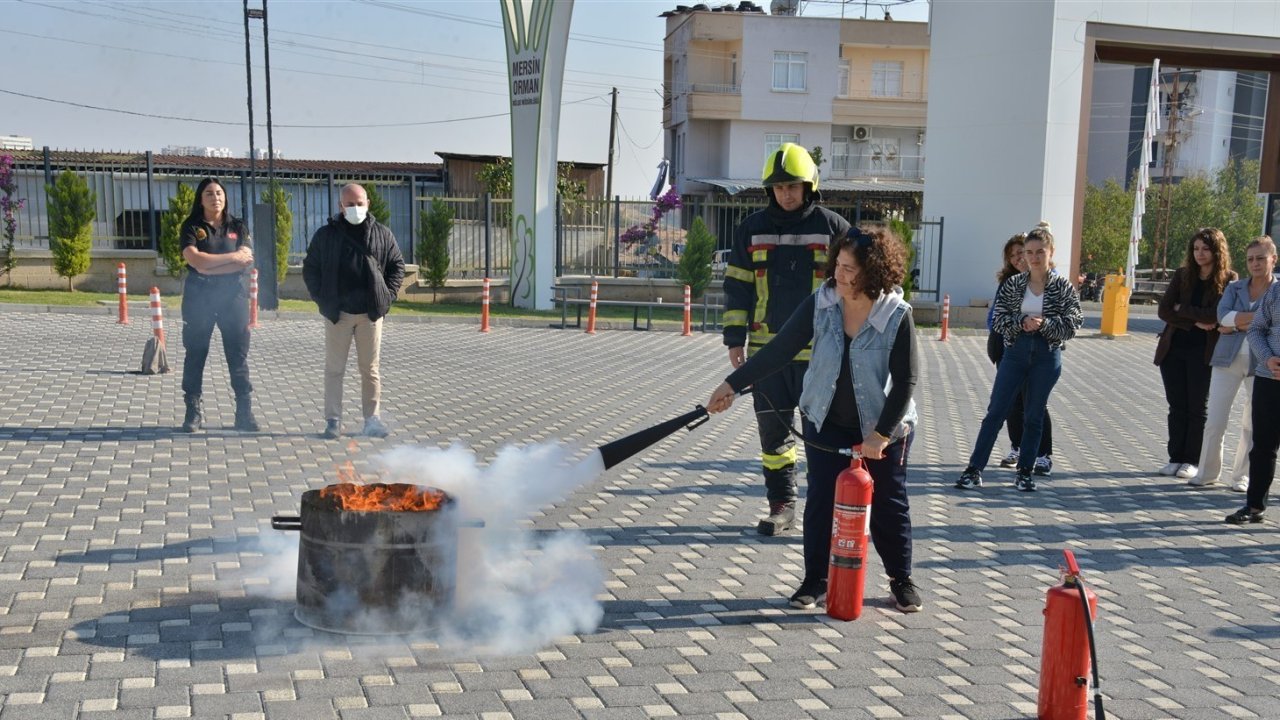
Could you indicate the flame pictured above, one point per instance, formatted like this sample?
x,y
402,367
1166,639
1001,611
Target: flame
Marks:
x,y
381,497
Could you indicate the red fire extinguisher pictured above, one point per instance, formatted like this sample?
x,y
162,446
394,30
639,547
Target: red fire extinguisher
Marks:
x,y
850,529
1069,611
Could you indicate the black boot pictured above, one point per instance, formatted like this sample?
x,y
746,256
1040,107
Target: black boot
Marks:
x,y
194,419
782,515
244,414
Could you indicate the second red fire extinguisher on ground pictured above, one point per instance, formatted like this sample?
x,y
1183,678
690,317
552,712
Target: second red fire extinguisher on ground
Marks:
x,y
850,532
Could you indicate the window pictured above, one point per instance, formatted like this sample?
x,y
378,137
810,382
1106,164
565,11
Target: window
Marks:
x,y
840,155
842,82
886,79
789,71
773,141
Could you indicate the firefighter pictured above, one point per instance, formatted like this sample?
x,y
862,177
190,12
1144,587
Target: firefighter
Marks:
x,y
777,261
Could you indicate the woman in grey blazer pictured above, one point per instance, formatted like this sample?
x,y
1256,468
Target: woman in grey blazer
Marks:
x,y
1233,366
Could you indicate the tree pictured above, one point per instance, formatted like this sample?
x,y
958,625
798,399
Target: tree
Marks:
x,y
1104,230
9,206
378,205
283,226
694,269
1240,210
71,214
170,227
436,223
497,178
905,234
816,155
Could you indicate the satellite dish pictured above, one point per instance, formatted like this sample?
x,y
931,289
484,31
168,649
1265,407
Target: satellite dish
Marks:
x,y
784,7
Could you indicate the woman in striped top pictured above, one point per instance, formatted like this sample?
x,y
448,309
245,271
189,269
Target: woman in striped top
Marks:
x,y
1037,312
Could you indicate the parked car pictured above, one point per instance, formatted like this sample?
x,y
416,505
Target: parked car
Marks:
x,y
719,263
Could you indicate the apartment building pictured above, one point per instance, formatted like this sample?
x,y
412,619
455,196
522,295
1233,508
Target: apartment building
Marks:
x,y
740,82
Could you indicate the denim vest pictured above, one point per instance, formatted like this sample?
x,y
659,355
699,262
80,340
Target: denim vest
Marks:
x,y
868,360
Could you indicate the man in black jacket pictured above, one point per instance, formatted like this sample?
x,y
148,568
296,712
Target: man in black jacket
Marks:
x,y
353,271
778,259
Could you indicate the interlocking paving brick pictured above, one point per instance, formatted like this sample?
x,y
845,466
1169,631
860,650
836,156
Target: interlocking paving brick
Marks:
x,y
136,577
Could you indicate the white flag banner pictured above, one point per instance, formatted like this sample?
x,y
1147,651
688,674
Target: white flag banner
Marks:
x,y
1150,127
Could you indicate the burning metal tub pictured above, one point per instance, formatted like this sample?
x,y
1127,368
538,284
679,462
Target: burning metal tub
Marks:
x,y
374,558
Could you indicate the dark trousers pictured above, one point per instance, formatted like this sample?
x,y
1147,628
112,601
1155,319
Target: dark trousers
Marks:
x,y
1186,388
890,509
1029,366
780,391
1014,423
1266,440
215,301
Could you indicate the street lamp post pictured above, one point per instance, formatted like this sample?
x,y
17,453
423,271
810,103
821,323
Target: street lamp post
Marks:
x,y
268,298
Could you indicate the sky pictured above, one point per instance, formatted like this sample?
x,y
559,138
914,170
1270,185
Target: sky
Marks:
x,y
393,80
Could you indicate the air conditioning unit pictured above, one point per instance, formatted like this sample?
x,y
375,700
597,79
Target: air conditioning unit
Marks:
x,y
861,132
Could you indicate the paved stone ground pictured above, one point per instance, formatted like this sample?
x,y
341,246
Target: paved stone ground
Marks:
x,y
135,563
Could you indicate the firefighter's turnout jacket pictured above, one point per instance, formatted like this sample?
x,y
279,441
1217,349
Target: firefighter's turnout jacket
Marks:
x,y
777,260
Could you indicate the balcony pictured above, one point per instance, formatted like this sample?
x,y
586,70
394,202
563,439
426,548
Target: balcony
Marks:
x,y
707,101
908,110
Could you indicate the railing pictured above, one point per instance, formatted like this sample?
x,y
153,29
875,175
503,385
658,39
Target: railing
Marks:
x,y
714,88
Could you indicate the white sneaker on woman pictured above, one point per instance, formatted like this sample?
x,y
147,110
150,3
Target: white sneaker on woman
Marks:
x,y
1200,480
1188,471
1170,470
1241,485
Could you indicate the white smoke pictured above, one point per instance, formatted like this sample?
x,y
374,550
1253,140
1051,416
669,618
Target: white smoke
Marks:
x,y
514,592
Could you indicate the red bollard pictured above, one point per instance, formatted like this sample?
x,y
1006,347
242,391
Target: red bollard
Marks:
x,y
591,310
122,287
253,299
484,307
688,312
157,316
850,531
946,316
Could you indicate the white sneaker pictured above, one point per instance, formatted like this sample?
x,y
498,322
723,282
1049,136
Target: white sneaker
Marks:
x,y
1241,485
1170,470
1199,480
1187,471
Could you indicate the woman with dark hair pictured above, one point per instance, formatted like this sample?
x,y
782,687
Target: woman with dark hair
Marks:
x,y
1189,309
219,253
857,392
1037,312
1015,262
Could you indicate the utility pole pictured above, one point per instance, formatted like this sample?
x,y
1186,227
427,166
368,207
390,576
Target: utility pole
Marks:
x,y
613,128
1165,209
608,179
247,202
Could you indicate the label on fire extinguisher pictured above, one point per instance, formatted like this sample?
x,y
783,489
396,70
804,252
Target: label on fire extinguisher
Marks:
x,y
850,526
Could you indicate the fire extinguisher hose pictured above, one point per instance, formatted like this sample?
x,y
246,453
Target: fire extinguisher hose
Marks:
x,y
1074,569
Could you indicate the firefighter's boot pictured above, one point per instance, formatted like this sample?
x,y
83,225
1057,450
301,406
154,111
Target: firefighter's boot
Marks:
x,y
782,515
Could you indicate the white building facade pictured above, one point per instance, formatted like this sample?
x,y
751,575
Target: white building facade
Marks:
x,y
738,84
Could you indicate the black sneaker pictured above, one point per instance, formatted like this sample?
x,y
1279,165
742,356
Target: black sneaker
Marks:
x,y
905,596
970,478
1024,481
332,429
811,593
1245,515
782,515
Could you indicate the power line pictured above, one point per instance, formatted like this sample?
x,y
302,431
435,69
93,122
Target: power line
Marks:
x,y
207,121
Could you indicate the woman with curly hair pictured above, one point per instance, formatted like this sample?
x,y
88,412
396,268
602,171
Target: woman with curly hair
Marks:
x,y
857,391
1037,312
1189,309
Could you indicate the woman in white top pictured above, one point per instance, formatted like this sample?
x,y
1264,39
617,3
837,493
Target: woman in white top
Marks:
x,y
1232,365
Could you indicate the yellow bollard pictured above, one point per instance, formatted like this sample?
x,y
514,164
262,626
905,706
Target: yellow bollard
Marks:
x,y
1115,306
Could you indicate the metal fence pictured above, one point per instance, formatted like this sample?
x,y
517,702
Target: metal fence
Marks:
x,y
592,234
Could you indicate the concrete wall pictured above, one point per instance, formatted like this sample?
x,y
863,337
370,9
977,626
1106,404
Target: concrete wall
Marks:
x,y
1006,82
762,36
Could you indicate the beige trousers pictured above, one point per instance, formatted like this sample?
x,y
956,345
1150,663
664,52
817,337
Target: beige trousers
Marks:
x,y
337,345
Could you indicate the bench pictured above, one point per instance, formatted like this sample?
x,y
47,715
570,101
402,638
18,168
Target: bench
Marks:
x,y
567,295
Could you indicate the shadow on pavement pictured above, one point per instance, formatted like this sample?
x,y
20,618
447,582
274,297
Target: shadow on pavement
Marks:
x,y
128,434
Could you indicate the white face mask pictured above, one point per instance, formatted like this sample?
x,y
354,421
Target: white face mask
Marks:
x,y
355,214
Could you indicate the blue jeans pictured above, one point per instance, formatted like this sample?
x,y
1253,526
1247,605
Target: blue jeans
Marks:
x,y
1032,362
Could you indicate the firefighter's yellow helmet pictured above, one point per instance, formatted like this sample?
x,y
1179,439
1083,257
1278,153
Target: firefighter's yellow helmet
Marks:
x,y
790,163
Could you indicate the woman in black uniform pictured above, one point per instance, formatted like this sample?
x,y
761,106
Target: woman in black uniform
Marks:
x,y
219,252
